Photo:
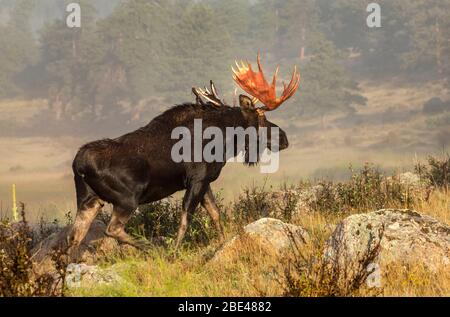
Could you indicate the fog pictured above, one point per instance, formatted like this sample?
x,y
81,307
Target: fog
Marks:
x,y
374,85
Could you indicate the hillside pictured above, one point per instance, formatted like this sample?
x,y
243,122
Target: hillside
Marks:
x,y
392,130
312,239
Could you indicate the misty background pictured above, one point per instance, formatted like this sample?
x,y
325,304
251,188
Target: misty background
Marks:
x,y
366,94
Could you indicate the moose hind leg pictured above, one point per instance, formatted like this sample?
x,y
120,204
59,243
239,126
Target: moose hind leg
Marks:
x,y
85,215
210,205
116,228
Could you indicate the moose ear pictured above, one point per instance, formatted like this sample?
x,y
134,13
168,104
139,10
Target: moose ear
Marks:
x,y
246,104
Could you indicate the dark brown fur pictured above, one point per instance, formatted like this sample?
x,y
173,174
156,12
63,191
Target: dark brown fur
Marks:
x,y
137,168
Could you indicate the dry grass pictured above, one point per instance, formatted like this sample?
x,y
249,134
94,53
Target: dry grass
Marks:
x,y
41,168
416,280
438,206
32,161
397,279
255,272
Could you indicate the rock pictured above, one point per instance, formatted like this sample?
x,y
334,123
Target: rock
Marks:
x,y
298,200
82,275
268,235
409,178
281,202
413,185
264,250
384,237
96,246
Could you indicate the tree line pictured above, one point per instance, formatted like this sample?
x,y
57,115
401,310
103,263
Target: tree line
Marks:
x,y
147,54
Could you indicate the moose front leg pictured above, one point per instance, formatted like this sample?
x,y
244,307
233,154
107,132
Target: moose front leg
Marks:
x,y
209,203
194,194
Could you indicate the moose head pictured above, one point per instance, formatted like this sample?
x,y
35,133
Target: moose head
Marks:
x,y
255,84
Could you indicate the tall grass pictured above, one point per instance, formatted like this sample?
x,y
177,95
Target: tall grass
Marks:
x,y
317,207
255,273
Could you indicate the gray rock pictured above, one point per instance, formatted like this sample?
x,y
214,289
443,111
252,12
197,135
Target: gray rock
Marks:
x,y
82,275
272,235
387,236
301,198
409,178
264,248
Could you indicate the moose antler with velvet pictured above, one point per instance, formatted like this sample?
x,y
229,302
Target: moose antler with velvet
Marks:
x,y
255,84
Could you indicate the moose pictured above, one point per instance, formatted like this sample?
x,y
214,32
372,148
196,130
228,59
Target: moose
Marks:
x,y
137,168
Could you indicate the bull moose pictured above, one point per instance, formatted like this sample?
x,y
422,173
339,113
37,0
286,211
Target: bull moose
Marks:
x,y
137,168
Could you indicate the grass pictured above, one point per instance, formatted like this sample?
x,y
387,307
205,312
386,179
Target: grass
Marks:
x,y
17,278
192,275
415,280
35,160
254,272
32,160
189,275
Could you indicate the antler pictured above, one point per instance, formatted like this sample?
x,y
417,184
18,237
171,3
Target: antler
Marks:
x,y
210,96
255,84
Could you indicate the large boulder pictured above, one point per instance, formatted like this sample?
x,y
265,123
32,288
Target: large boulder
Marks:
x,y
263,249
364,242
267,235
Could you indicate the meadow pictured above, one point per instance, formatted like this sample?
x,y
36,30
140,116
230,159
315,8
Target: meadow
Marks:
x,y
393,132
255,272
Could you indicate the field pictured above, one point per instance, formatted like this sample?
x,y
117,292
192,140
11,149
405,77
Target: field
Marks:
x,y
193,274
391,131
203,268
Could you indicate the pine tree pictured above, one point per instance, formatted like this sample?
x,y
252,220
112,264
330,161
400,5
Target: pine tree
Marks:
x,y
429,29
325,86
17,47
70,57
138,34
201,49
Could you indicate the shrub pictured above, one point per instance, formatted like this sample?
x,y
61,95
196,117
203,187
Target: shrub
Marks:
x,y
367,189
253,203
326,199
161,220
16,274
437,172
308,273
257,202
